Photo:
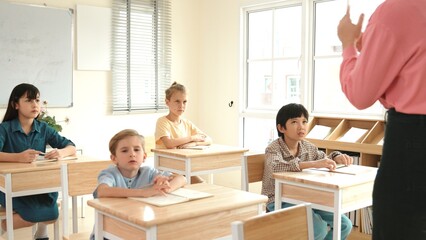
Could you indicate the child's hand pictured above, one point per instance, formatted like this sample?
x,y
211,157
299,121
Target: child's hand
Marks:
x,y
153,191
160,179
28,156
55,153
190,144
326,163
358,44
198,138
161,183
343,159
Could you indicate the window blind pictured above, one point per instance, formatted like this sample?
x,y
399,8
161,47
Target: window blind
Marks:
x,y
141,54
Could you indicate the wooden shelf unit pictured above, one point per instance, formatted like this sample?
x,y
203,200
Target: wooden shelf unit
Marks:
x,y
368,145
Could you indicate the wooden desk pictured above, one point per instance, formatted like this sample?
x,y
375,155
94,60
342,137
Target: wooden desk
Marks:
x,y
205,218
191,162
23,179
334,192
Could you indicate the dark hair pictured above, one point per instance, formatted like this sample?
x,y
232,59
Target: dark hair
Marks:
x,y
289,111
20,90
122,135
174,88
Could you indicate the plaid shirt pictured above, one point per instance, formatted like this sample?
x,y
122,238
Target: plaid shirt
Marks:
x,y
279,159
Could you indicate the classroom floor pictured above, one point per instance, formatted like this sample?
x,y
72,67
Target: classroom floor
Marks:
x,y
85,224
357,235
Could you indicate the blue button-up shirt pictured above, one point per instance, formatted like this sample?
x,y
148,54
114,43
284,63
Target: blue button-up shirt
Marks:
x,y
14,140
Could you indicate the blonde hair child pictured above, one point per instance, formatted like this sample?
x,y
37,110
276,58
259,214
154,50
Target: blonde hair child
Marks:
x,y
173,131
128,178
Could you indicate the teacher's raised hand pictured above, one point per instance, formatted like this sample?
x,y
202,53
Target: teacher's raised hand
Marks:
x,y
348,32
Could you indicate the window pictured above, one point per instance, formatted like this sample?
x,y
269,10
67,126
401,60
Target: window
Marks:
x,y
273,40
327,57
274,50
289,60
141,57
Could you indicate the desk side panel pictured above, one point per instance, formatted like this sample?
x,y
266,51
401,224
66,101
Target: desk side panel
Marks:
x,y
203,163
205,227
36,180
167,162
216,162
308,195
125,231
202,227
357,196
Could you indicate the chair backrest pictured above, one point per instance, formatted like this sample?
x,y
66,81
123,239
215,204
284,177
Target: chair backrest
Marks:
x,y
78,178
149,144
83,176
292,223
255,166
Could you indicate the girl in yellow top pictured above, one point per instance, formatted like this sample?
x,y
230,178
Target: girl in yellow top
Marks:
x,y
173,131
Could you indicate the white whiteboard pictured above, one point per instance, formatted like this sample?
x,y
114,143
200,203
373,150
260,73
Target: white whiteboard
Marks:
x,y
36,48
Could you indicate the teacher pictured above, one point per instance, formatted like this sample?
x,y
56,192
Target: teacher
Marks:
x,y
391,67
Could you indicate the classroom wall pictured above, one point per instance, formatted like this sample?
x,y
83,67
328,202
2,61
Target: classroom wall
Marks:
x,y
220,51
205,50
92,123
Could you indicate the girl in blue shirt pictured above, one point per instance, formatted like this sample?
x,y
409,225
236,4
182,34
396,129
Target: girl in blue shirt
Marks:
x,y
22,139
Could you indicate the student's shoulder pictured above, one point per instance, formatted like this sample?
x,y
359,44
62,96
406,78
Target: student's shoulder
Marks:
x,y
162,118
110,170
163,121
5,125
146,168
14,123
305,142
10,126
308,145
274,146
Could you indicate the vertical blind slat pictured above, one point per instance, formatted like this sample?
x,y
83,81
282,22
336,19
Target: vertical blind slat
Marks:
x,y
141,54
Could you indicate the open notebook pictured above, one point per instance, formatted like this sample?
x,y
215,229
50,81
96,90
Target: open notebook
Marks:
x,y
198,147
42,159
341,168
178,196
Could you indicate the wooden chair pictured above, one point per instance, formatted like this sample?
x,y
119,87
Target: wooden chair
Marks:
x,y
149,144
253,165
292,223
78,178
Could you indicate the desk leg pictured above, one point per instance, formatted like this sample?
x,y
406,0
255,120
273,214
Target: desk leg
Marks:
x,y
244,174
188,171
74,214
99,226
9,207
151,233
337,226
156,160
278,194
211,178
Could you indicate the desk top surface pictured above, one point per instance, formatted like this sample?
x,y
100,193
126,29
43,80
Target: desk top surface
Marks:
x,y
147,215
214,149
335,180
12,167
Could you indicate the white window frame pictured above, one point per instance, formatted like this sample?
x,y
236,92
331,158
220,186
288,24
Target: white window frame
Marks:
x,y
307,61
265,114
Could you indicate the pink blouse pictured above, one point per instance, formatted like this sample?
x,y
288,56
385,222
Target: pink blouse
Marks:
x,y
391,67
